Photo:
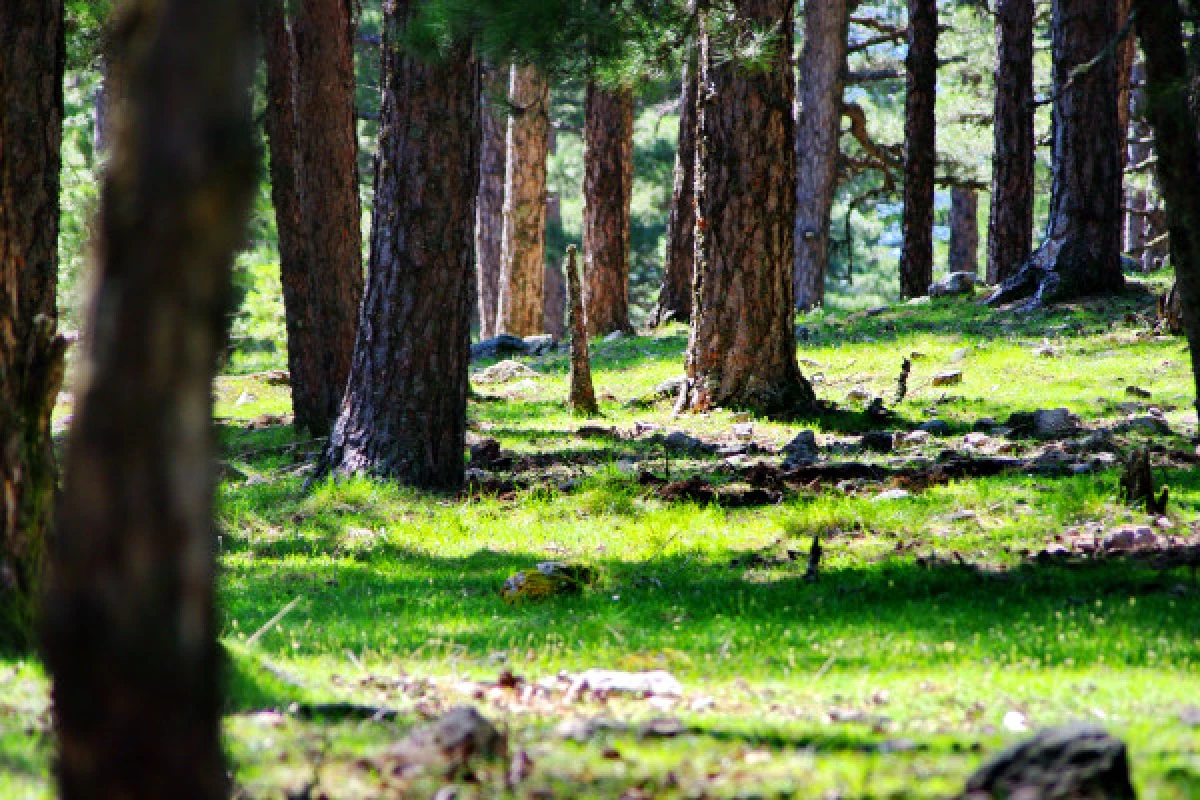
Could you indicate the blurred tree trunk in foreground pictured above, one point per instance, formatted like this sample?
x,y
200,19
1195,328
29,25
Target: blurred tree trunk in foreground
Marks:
x,y
404,415
128,629
31,353
489,212
675,296
964,230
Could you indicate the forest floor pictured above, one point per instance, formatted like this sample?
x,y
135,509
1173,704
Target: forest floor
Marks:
x,y
956,606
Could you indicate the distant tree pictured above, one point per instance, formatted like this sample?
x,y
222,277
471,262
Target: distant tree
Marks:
x,y
129,631
522,272
310,78
1081,251
404,412
675,295
920,151
742,348
1168,80
554,294
489,213
31,353
607,195
818,132
1010,223
964,230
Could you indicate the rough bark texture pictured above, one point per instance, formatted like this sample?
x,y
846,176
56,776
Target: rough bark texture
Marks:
x,y
31,354
675,296
555,291
322,279
1126,50
1081,252
607,194
920,152
523,265
964,230
129,631
1145,221
405,410
582,399
489,210
742,349
818,130
1167,79
1010,223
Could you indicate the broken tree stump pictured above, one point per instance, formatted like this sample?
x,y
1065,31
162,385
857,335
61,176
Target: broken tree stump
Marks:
x,y
1137,484
582,398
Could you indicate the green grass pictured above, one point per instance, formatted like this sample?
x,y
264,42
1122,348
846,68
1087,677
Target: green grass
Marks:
x,y
888,678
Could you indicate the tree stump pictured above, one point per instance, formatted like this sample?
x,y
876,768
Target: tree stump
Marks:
x,y
582,399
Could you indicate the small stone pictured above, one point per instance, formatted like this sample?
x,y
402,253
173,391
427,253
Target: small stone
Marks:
x,y
956,283
801,450
1164,522
505,371
876,311
976,439
985,424
244,399
950,378
743,430
1073,761
938,427
1137,391
917,437
539,344
504,344
857,395
960,355
891,494
1145,424
1130,537
615,336
680,441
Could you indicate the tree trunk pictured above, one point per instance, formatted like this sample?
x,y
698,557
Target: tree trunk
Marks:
x,y
1160,29
489,212
582,398
920,151
1080,254
1126,50
405,410
1010,223
129,627
323,277
742,349
555,295
964,230
523,264
818,131
607,194
31,353
675,296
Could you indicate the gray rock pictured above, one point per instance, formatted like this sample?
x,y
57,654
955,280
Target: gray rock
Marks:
x,y
1075,761
801,450
448,745
876,441
985,425
540,344
1145,424
683,443
1046,422
502,345
956,283
938,427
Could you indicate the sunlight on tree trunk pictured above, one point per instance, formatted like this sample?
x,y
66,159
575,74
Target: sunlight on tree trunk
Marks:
x,y
920,151
607,194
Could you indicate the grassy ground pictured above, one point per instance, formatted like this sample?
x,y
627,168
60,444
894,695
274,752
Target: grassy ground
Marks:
x,y
930,640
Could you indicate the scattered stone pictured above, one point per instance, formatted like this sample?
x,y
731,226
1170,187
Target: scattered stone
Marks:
x,y
1045,422
976,439
1128,538
615,336
655,682
1137,391
954,284
949,378
540,344
1148,424
959,355
277,377
682,442
1190,715
666,390
582,729
938,427
917,437
916,355
1069,762
1052,461
245,399
892,494
985,424
503,345
487,453
597,432
743,430
661,728
801,450
505,371
447,745
858,395
875,311
918,301
876,441
1046,351
546,579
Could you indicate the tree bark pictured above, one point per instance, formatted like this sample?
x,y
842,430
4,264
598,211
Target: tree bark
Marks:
x,y
675,296
1126,50
489,212
1010,223
964,230
523,266
920,148
582,398
1081,251
405,410
31,353
607,195
818,131
321,270
129,631
555,291
1160,28
741,348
